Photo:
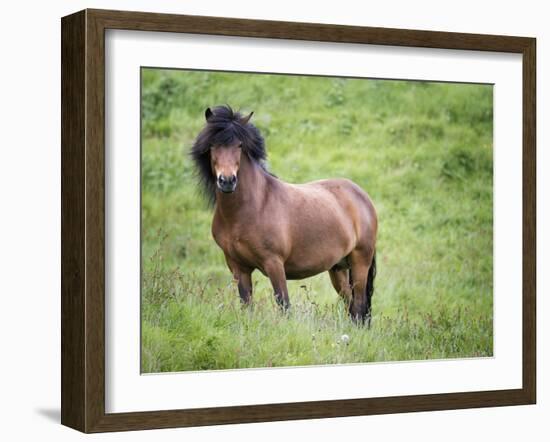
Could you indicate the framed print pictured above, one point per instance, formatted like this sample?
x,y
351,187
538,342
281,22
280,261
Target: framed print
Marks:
x,y
267,221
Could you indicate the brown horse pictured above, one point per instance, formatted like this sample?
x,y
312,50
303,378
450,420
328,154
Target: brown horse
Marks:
x,y
287,231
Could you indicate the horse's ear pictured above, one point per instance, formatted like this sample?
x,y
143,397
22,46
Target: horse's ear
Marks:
x,y
208,114
245,120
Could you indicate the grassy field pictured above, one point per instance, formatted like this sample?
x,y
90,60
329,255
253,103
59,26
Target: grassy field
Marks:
x,y
423,151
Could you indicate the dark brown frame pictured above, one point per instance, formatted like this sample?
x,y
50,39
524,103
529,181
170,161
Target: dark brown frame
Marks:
x,y
83,217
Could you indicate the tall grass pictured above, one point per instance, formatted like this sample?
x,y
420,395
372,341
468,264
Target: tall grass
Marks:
x,y
423,151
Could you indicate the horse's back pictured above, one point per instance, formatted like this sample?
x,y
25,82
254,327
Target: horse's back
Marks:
x,y
346,192
355,202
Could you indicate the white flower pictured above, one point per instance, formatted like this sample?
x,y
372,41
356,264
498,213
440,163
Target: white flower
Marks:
x,y
344,339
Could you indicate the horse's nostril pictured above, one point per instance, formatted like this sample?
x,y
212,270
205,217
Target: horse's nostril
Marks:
x,y
230,180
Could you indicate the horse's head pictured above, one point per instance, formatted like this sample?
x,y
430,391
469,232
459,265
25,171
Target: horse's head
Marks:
x,y
226,151
225,161
227,138
225,156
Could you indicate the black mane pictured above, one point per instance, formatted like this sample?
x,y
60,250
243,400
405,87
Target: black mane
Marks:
x,y
223,126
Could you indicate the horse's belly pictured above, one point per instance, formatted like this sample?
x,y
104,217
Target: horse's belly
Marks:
x,y
318,248
302,274
300,266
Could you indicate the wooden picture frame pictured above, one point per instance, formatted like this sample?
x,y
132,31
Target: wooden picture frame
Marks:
x,y
83,220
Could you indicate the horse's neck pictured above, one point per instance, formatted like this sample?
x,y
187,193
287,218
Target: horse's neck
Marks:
x,y
248,196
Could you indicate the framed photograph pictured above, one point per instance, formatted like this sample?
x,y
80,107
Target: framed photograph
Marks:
x,y
269,220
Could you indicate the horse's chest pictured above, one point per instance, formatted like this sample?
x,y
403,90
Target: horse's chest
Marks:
x,y
235,243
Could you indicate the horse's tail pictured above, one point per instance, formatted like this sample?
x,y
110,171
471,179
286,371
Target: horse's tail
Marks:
x,y
370,287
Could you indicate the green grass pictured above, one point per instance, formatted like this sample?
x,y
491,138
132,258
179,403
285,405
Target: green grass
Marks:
x,y
423,151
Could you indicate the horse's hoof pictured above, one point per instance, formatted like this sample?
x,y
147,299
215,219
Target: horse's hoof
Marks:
x,y
361,320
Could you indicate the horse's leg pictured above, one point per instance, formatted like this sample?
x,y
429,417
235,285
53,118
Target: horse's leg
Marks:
x,y
340,282
360,306
275,271
243,278
245,287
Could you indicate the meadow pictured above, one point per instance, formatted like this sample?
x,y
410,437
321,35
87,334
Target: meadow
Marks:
x,y
422,150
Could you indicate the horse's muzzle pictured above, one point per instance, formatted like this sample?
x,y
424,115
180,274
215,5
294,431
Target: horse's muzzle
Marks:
x,y
227,184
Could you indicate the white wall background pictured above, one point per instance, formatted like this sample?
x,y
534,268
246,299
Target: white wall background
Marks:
x,y
30,221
